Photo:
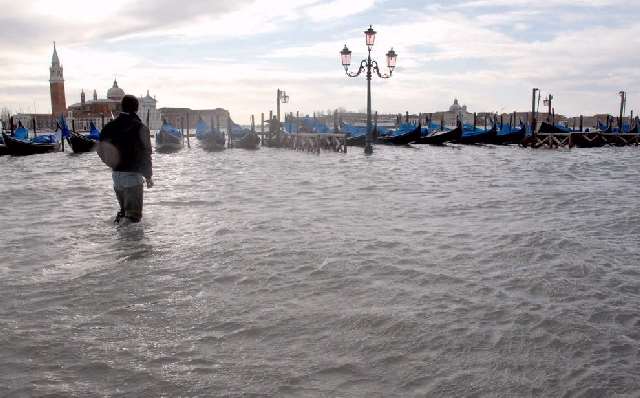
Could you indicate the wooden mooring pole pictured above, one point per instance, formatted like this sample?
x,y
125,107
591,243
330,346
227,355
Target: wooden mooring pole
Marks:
x,y
188,143
230,145
581,123
182,128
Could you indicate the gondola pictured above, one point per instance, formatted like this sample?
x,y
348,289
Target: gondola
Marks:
x,y
210,140
474,136
81,144
244,138
441,137
84,143
357,135
604,128
21,147
213,143
3,147
248,141
358,140
404,135
548,128
509,135
169,138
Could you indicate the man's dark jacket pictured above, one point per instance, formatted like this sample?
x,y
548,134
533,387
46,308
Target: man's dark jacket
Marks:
x,y
125,145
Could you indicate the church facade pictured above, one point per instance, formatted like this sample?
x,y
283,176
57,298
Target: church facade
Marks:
x,y
149,113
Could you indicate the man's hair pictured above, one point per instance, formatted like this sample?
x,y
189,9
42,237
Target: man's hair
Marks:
x,y
129,104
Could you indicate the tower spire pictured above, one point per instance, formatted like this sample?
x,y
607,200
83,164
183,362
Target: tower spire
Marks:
x,y
55,61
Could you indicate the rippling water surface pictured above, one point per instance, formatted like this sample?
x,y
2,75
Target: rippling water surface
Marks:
x,y
469,271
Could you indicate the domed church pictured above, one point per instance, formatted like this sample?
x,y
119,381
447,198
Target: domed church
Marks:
x,y
115,93
96,108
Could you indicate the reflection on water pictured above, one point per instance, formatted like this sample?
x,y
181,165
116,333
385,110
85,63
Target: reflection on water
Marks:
x,y
454,271
132,242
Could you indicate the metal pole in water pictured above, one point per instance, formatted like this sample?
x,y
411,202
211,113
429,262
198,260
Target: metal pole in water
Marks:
x,y
368,147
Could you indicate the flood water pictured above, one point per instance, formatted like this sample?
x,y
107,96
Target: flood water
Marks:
x,y
453,272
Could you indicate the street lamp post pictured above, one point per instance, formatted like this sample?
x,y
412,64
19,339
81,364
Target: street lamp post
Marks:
x,y
370,66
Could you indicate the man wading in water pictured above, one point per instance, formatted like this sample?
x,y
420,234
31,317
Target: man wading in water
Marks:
x,y
125,146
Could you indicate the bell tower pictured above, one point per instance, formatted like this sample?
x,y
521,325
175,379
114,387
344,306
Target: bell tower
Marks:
x,y
56,85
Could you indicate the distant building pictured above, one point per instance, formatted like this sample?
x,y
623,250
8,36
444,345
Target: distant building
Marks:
x,y
56,86
43,121
105,109
179,117
96,110
457,111
148,110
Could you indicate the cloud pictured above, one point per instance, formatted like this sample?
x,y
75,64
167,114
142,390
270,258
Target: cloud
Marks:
x,y
235,54
338,9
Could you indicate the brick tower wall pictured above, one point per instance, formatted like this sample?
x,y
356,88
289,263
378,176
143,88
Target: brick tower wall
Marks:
x,y
58,99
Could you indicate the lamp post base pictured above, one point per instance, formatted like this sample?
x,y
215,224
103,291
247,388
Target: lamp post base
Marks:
x,y
368,149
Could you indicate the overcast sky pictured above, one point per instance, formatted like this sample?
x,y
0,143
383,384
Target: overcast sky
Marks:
x,y
235,54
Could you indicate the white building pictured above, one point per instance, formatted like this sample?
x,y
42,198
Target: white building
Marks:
x,y
460,111
148,107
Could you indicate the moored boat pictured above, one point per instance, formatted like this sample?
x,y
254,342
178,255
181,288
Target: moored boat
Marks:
x,y
358,140
24,147
19,144
436,137
3,147
168,138
404,135
84,143
510,135
548,128
210,139
243,137
477,135
248,141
